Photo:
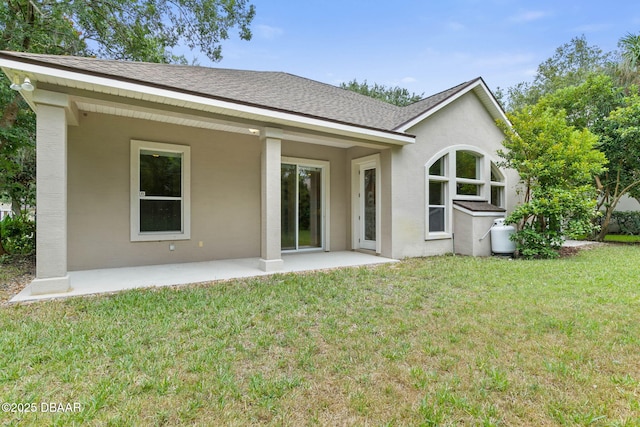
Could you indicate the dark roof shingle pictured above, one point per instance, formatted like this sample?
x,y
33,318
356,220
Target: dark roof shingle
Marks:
x,y
273,90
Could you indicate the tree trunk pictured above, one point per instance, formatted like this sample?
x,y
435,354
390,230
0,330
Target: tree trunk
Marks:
x,y
16,208
2,250
605,224
612,207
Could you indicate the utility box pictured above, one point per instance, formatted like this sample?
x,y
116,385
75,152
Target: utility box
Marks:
x,y
471,222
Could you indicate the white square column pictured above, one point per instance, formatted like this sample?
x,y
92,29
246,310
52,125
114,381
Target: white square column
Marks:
x,y
270,250
51,194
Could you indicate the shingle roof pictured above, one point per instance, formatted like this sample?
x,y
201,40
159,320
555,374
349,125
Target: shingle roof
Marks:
x,y
273,90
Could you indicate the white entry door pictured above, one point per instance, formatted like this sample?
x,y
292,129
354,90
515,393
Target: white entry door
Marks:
x,y
366,216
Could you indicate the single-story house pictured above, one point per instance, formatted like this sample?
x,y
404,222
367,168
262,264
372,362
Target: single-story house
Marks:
x,y
144,164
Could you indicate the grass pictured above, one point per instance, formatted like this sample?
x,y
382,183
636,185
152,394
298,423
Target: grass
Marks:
x,y
432,341
621,238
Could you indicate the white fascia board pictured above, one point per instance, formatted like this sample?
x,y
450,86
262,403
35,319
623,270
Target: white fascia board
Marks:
x,y
486,97
264,114
490,101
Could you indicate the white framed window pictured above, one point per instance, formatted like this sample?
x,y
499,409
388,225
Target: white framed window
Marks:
x,y
497,187
459,173
438,195
468,173
160,191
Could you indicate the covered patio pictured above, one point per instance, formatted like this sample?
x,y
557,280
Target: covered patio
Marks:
x,y
87,282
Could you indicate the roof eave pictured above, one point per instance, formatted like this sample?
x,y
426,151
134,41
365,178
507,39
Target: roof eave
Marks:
x,y
133,89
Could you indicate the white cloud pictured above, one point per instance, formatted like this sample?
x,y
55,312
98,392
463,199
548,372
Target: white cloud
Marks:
x,y
528,16
408,80
268,32
456,26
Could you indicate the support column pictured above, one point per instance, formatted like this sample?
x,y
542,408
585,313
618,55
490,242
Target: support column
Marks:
x,y
51,196
270,251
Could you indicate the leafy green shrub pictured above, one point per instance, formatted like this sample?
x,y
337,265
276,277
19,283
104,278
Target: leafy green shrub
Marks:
x,y
533,244
551,215
18,235
556,164
628,222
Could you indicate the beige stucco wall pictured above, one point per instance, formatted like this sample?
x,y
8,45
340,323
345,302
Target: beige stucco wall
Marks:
x,y
463,122
224,217
225,189
225,193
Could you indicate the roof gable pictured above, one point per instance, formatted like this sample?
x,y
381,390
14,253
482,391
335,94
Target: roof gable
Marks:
x,y
432,104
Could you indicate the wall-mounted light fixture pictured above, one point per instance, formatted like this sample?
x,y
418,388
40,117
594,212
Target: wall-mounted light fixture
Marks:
x,y
26,84
15,83
254,131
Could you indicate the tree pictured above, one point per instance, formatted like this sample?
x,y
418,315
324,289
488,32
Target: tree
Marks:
x,y
571,65
620,141
588,104
138,30
597,94
629,62
17,151
601,106
393,95
556,164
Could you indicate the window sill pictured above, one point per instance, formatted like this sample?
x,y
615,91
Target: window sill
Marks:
x,y
438,236
159,237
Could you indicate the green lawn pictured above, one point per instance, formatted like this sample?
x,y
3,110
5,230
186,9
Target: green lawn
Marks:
x,y
621,238
432,341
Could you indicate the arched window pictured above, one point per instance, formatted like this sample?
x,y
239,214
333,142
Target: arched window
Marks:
x,y
459,173
497,187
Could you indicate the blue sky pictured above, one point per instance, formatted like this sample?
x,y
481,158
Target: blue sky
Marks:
x,y
424,46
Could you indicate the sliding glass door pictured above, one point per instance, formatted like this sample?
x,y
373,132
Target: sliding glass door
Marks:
x,y
302,206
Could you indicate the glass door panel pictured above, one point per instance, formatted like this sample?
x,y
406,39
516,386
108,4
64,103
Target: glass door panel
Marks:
x,y
301,207
288,205
370,204
309,207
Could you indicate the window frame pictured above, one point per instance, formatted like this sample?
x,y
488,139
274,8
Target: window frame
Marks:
x,y
442,179
500,185
137,146
478,181
484,167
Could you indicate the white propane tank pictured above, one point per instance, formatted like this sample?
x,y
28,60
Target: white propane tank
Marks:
x,y
501,243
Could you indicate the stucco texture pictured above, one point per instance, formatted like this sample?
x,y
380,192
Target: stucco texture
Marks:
x,y
225,193
463,122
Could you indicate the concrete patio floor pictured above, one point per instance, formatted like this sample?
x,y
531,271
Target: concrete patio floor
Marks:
x,y
118,279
